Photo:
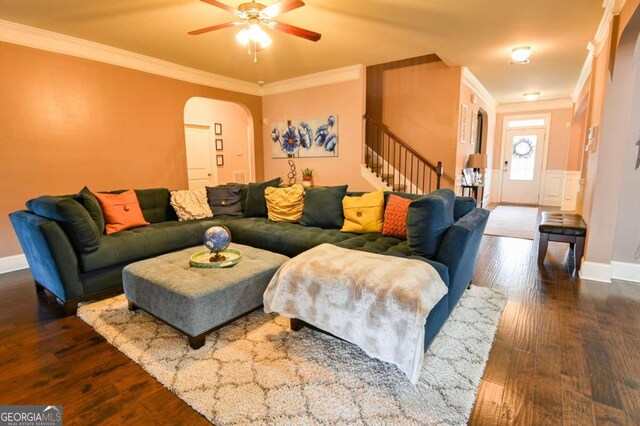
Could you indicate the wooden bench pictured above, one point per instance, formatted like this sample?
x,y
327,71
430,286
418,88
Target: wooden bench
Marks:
x,y
562,227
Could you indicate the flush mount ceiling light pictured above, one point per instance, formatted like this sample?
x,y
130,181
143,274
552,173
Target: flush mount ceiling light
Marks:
x,y
254,16
520,55
532,96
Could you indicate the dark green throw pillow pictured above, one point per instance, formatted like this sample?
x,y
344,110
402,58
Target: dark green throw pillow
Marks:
x,y
428,220
255,204
90,202
323,207
72,217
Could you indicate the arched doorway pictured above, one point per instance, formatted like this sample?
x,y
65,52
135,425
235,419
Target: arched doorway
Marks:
x,y
219,142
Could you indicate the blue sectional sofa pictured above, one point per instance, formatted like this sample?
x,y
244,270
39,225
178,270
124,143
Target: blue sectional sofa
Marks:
x,y
67,258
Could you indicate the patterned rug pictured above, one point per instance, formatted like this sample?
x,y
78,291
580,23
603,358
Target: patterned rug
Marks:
x,y
257,371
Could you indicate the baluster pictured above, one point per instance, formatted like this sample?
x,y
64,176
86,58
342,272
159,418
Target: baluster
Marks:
x,y
405,168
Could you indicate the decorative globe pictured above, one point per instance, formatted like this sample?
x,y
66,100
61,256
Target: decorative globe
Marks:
x,y
216,239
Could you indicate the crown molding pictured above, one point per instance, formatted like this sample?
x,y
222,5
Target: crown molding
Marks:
x,y
585,72
338,75
611,8
472,81
46,40
535,106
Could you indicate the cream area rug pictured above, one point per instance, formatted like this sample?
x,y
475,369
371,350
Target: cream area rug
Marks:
x,y
513,221
257,371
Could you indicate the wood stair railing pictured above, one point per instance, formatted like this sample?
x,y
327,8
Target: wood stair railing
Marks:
x,y
396,163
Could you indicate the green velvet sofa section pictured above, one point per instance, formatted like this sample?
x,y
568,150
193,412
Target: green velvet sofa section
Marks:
x,y
64,257
285,238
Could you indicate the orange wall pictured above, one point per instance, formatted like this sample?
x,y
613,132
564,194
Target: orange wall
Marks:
x,y
418,100
559,136
67,122
346,100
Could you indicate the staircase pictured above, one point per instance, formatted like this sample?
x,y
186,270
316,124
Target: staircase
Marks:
x,y
396,165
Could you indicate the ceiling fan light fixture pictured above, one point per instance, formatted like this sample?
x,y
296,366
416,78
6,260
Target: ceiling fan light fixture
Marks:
x,y
521,54
254,34
243,37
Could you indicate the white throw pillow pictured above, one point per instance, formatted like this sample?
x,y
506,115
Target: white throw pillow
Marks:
x,y
191,204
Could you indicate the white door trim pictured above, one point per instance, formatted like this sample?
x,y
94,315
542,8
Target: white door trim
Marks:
x,y
545,145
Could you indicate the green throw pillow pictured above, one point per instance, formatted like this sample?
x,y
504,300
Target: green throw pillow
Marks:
x,y
323,207
428,220
90,202
255,204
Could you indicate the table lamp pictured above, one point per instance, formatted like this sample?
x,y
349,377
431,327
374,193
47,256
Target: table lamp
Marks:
x,y
477,161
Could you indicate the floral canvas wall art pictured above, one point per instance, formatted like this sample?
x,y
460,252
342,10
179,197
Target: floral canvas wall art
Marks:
x,y
315,137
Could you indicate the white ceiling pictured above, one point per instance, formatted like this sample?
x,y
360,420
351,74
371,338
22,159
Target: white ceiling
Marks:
x,y
478,34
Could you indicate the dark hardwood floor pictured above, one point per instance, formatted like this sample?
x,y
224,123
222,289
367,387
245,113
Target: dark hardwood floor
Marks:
x,y
566,351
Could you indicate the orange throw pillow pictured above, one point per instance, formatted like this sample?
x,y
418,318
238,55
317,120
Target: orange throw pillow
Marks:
x,y
121,211
395,217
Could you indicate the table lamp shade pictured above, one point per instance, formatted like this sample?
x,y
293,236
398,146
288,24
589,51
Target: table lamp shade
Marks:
x,y
477,161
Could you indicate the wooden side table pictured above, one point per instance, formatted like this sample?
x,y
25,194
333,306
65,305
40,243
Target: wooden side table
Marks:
x,y
474,191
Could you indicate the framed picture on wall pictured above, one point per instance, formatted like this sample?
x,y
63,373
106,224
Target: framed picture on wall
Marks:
x,y
463,123
217,128
219,145
474,128
220,160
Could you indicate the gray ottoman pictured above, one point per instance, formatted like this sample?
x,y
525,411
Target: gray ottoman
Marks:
x,y
198,300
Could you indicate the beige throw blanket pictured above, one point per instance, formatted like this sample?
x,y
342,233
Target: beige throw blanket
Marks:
x,y
377,302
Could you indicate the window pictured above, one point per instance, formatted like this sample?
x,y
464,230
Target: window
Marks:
x,y
530,122
523,157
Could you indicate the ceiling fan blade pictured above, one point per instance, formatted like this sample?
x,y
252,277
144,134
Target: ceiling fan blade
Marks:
x,y
214,27
278,8
296,31
221,5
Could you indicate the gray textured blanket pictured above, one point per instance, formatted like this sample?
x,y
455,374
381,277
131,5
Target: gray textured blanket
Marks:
x,y
377,302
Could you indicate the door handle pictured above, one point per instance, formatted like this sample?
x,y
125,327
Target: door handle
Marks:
x,y
209,174
506,166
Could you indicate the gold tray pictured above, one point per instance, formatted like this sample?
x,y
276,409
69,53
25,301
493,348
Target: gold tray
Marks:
x,y
200,259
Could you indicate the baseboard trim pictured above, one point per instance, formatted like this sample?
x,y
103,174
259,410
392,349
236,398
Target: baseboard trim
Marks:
x,y
595,271
604,272
626,271
13,263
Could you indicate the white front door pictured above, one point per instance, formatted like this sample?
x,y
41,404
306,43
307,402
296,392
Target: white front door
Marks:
x,y
201,170
522,167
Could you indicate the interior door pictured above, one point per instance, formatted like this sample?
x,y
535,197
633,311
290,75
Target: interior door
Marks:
x,y
522,168
201,170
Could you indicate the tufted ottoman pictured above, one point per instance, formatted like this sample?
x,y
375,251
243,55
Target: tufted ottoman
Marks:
x,y
198,300
562,227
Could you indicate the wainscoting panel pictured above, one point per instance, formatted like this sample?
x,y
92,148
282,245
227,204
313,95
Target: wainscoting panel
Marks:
x,y
571,188
552,188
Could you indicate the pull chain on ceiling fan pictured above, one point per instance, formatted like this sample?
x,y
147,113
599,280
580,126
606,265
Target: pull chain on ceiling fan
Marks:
x,y
253,17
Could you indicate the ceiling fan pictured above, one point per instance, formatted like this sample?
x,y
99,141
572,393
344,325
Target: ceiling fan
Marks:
x,y
253,16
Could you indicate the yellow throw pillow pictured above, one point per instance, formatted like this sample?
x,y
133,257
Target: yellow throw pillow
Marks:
x,y
363,214
285,204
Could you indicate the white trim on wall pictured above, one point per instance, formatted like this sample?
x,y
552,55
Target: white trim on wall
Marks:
x,y
54,42
595,271
525,107
13,263
60,43
626,271
611,9
323,78
472,81
605,272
